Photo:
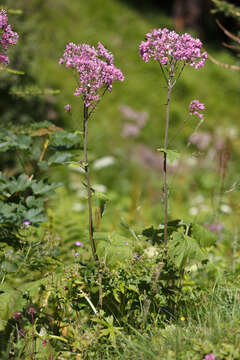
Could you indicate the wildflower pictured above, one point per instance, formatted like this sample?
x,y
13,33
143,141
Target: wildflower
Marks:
x,y
182,318
78,243
194,108
44,342
209,357
95,68
215,227
76,254
130,130
68,108
168,47
31,311
16,315
126,243
7,36
27,223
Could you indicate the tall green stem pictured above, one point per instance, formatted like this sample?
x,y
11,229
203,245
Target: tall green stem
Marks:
x,y
165,189
86,169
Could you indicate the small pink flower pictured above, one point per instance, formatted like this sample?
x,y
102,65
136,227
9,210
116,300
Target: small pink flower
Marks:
x,y
16,315
194,108
78,243
209,357
27,223
44,343
68,108
31,311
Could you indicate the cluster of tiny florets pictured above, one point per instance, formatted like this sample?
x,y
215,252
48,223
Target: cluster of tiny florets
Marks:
x,y
7,37
95,70
194,108
165,46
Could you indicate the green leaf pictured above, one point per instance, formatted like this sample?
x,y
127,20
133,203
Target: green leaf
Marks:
x,y
35,216
204,237
171,154
66,140
32,201
185,251
59,158
19,184
42,188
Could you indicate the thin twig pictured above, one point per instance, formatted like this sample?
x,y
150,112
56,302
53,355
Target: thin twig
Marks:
x,y
228,33
226,66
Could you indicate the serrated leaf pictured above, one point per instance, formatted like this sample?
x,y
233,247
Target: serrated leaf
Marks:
x,y
204,237
19,184
59,158
41,188
35,216
185,251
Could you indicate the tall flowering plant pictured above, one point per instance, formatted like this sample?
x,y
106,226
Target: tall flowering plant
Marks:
x,y
173,52
95,72
7,37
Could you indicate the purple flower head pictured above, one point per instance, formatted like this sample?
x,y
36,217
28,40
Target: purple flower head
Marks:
x,y
194,108
209,357
27,223
16,315
7,36
168,47
95,69
44,342
31,311
76,254
215,227
68,108
78,243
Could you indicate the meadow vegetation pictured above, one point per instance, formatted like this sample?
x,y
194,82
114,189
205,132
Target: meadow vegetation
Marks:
x,y
128,279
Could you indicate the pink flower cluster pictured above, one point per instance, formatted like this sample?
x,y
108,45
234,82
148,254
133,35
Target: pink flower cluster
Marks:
x,y
194,108
95,69
7,37
166,46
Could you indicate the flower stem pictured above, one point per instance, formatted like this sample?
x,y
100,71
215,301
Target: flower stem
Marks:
x,y
86,169
165,189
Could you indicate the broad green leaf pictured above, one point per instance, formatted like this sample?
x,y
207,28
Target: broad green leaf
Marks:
x,y
19,184
59,158
42,188
185,251
35,216
204,237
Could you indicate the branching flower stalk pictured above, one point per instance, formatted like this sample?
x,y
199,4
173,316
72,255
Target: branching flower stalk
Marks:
x,y
86,169
94,72
173,52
